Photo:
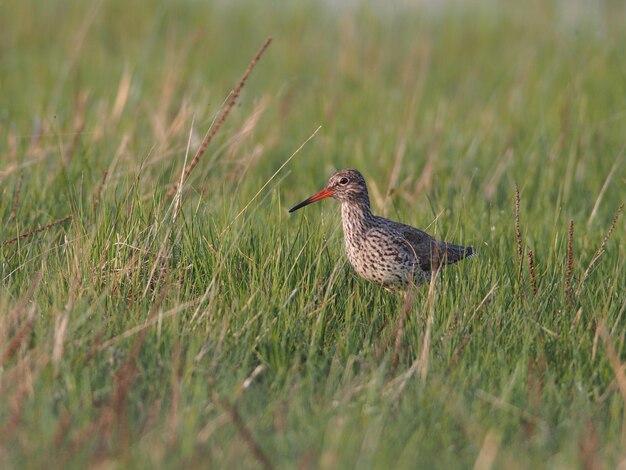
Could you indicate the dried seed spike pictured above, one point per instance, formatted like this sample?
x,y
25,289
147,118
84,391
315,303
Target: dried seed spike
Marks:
x,y
222,117
570,261
518,231
531,269
37,230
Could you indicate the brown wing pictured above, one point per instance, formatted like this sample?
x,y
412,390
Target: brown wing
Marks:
x,y
431,253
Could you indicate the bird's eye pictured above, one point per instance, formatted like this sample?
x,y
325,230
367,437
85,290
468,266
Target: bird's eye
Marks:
x,y
343,181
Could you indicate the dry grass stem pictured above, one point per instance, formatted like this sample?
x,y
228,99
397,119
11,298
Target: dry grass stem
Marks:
x,y
458,351
518,230
12,145
220,121
79,124
534,388
74,54
95,200
406,308
270,180
60,332
123,92
20,336
95,346
16,198
488,451
179,191
395,173
486,299
61,429
140,328
403,380
613,357
430,308
30,233
176,381
245,433
502,165
588,447
11,320
600,251
570,261
604,188
618,370
116,411
434,148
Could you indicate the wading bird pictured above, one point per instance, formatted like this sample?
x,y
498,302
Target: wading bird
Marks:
x,y
380,250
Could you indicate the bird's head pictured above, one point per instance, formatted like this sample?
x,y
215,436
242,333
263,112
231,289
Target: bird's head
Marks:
x,y
345,186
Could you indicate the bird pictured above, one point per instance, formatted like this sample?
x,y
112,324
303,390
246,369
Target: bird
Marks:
x,y
388,253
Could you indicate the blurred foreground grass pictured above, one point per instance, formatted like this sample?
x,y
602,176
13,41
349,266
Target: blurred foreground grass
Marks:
x,y
128,338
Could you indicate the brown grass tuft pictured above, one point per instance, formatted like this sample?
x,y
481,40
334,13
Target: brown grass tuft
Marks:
x,y
220,120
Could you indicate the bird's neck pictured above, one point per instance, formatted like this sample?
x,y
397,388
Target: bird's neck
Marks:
x,y
357,218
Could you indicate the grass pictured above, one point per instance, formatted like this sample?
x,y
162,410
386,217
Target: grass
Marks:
x,y
235,334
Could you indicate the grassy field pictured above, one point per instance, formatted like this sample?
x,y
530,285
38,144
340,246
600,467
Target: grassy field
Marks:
x,y
220,331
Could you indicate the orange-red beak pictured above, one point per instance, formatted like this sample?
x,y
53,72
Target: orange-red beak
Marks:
x,y
323,194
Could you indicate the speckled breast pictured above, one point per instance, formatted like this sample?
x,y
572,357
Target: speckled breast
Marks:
x,y
382,258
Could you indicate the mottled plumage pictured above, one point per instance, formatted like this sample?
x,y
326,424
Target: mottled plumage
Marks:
x,y
381,250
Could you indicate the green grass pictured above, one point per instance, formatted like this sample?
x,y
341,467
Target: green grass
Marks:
x,y
128,339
